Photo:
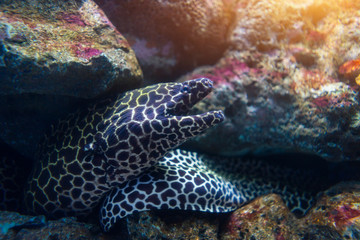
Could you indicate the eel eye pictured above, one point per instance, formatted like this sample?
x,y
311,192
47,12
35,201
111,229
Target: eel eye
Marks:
x,y
92,147
89,147
186,89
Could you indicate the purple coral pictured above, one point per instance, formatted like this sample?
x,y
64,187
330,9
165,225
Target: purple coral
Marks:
x,y
85,52
72,19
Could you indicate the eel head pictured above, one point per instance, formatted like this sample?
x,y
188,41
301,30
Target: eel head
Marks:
x,y
153,120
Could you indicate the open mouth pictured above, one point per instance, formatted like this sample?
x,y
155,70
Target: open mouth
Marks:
x,y
184,97
188,94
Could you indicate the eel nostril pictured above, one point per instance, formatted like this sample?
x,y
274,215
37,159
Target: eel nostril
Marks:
x,y
207,82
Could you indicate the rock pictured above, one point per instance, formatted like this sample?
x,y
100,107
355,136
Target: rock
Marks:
x,y
304,56
14,171
327,30
146,225
338,210
278,110
10,222
71,51
50,60
336,215
16,226
172,225
281,97
170,37
265,218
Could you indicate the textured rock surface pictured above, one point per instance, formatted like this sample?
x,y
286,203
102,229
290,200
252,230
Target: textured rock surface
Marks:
x,y
143,226
73,50
280,86
335,216
51,55
173,225
16,226
172,36
264,218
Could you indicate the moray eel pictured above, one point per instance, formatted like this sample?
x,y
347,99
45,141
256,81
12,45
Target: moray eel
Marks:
x,y
112,142
191,181
121,151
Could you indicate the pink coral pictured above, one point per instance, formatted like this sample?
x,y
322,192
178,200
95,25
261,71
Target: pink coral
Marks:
x,y
85,52
72,19
225,73
332,101
321,102
344,215
310,80
231,69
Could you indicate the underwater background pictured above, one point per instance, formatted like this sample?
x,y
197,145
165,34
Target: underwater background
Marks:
x,y
285,74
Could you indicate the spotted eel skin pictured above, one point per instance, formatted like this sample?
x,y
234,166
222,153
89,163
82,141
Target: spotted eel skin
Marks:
x,y
112,142
191,181
121,150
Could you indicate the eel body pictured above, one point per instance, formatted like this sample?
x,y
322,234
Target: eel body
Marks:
x,y
112,142
121,151
197,182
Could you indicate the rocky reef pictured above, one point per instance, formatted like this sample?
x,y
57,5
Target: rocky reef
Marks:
x,y
54,56
285,85
172,37
286,74
335,216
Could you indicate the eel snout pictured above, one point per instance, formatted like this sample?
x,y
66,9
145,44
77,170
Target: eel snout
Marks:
x,y
183,126
187,94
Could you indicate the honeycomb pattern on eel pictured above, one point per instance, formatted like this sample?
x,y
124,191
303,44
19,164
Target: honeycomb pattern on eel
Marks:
x,y
112,142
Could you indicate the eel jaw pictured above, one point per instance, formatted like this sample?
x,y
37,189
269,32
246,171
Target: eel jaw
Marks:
x,y
182,126
186,95
191,126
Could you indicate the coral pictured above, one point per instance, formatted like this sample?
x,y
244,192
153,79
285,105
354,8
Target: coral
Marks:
x,y
344,215
326,29
267,25
227,72
340,26
71,18
351,70
85,52
305,81
315,38
232,68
